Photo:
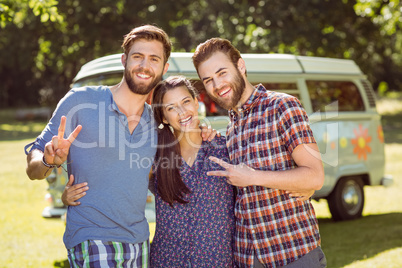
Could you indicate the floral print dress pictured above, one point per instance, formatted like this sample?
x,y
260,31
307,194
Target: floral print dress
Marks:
x,y
198,233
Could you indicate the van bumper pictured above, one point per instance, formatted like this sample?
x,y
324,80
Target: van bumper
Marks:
x,y
387,180
52,212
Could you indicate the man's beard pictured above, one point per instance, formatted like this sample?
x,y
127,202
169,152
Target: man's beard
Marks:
x,y
139,88
237,85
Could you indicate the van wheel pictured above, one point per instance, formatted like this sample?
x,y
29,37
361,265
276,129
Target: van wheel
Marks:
x,y
347,199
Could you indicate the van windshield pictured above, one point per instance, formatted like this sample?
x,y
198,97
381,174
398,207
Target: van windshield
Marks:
x,y
109,79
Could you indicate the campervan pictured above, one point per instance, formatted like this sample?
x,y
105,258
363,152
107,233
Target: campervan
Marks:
x,y
336,95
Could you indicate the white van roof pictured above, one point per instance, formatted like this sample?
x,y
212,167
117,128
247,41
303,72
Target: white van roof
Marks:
x,y
181,63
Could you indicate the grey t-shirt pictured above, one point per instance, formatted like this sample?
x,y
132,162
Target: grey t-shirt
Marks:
x,y
113,161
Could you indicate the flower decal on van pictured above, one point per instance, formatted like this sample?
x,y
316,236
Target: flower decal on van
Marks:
x,y
380,134
361,142
343,142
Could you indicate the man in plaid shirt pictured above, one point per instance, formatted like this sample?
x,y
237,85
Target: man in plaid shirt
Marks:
x,y
275,164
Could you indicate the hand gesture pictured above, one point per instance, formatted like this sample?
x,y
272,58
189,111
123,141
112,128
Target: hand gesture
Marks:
x,y
237,175
57,149
73,192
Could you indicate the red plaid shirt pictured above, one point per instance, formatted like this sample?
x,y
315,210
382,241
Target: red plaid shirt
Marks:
x,y
280,229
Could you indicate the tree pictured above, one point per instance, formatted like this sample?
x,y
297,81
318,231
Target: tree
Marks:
x,y
365,31
44,43
386,49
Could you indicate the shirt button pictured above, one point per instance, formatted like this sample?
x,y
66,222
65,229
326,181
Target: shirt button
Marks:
x,y
252,231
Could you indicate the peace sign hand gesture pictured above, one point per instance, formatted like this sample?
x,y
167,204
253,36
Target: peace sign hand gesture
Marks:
x,y
57,149
238,175
242,175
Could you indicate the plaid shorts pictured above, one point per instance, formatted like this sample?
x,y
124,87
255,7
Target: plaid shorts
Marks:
x,y
97,253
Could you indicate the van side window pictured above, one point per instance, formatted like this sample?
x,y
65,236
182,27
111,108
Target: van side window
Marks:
x,y
342,96
288,88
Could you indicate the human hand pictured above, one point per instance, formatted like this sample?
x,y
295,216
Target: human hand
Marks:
x,y
207,133
57,149
73,192
301,195
237,175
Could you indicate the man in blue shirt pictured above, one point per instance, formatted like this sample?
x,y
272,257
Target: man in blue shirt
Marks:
x,y
116,136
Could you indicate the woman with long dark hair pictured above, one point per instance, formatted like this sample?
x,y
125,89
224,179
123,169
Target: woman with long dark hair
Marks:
x,y
194,212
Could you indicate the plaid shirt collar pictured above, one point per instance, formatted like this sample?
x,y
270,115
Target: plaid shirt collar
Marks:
x,y
249,104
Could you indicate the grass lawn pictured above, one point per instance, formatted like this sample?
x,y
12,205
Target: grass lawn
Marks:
x,y
28,240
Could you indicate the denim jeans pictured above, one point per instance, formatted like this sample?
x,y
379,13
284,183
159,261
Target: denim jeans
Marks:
x,y
313,259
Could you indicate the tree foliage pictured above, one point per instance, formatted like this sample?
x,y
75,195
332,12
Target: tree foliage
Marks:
x,y
44,43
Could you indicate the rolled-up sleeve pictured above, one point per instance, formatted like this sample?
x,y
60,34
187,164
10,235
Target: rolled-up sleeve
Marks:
x,y
51,129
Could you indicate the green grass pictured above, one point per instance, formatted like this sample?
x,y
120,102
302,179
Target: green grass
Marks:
x,y
28,240
12,130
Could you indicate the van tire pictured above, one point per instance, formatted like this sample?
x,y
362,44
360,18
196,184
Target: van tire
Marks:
x,y
346,201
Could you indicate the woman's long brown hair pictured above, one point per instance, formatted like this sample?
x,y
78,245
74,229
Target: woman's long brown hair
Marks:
x,y
170,185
